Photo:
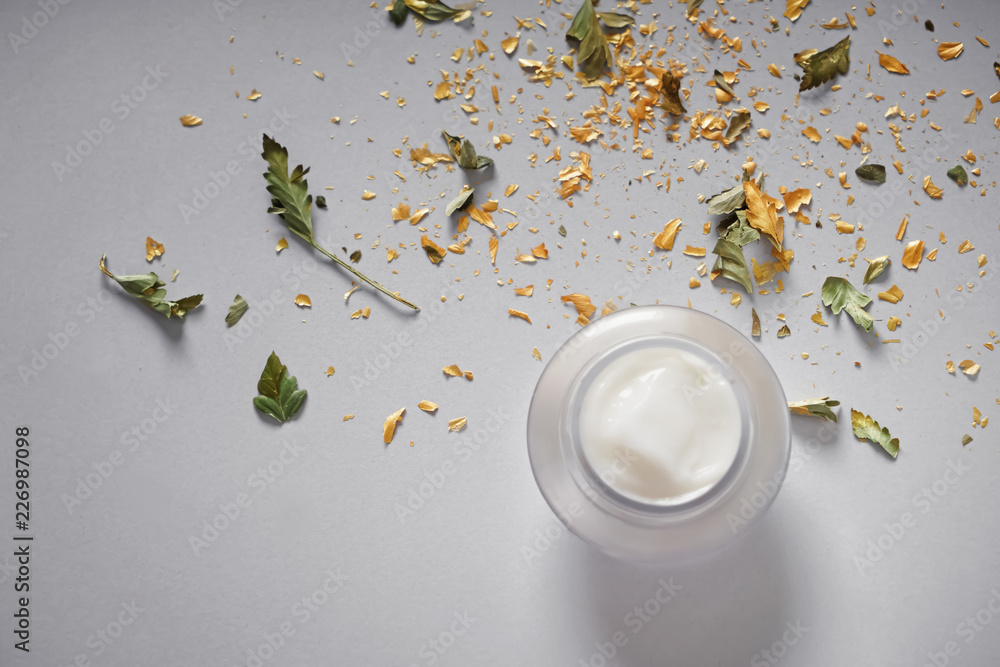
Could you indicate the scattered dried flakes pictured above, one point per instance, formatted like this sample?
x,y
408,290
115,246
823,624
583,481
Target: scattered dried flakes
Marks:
x,y
540,252
435,253
303,301
455,425
187,120
845,227
950,365
254,95
817,317
389,427
795,199
427,406
519,313
976,108
891,64
319,75
893,323
494,244
933,191
455,371
153,249
965,246
812,134
509,45
693,251
536,354
282,244
368,195
902,229
892,295
784,331
524,291
583,305
913,253
754,323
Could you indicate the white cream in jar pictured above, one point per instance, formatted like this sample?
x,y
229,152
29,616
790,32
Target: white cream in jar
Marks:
x,y
660,424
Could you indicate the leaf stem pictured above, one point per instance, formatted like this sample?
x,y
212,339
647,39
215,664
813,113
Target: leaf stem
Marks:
x,y
363,277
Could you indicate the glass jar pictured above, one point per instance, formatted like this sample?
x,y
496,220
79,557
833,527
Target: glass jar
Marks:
x,y
631,527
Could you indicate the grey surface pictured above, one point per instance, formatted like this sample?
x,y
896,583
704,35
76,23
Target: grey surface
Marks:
x,y
332,508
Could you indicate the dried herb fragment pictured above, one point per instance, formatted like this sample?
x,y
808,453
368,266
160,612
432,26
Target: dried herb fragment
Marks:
x,y
434,252
838,294
398,12
148,288
720,81
793,8
665,239
891,64
958,174
784,331
816,407
236,311
293,203
739,122
871,173
279,395
755,323
389,427
436,11
465,154
822,66
670,99
461,202
875,269
966,439
321,201
866,428
692,7
731,264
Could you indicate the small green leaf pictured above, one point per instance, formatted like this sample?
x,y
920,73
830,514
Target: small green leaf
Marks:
x,y
875,269
957,174
839,295
320,201
236,311
816,407
822,66
279,396
465,153
562,230
460,202
866,428
731,264
613,20
292,200
720,81
356,256
398,12
148,288
871,173
437,11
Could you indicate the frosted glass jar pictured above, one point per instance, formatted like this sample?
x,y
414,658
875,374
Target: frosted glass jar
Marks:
x,y
598,412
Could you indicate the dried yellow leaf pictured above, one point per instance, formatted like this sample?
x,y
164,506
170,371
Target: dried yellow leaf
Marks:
x,y
891,64
524,291
949,50
510,44
368,195
536,354
793,8
427,406
453,370
187,120
434,252
456,425
913,253
968,367
518,313
933,191
540,252
319,75
812,134
665,239
693,251
330,371
893,323
303,301
817,317
892,295
965,246
282,244
254,95
494,244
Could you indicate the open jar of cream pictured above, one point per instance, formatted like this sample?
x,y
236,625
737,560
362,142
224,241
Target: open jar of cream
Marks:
x,y
658,433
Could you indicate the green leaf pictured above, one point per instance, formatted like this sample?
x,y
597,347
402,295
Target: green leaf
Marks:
x,y
293,203
740,232
720,81
731,264
437,11
460,202
236,311
816,407
866,428
871,173
957,174
279,396
875,269
727,201
356,256
670,99
593,55
320,201
823,66
839,295
464,153
292,200
613,20
739,122
398,12
148,288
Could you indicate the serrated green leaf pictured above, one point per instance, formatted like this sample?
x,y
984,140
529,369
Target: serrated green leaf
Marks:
x,y
236,311
465,153
460,202
670,98
866,428
839,295
817,407
731,264
149,289
822,66
398,12
279,395
871,173
292,200
437,11
875,269
957,174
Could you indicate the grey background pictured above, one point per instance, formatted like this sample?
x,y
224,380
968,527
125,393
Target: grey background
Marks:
x,y
333,507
